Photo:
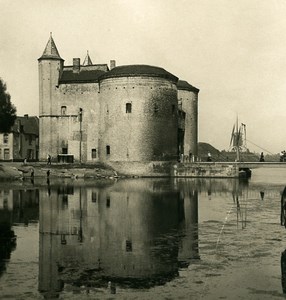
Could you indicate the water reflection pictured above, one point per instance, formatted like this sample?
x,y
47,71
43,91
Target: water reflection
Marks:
x,y
283,255
16,206
137,233
283,208
133,233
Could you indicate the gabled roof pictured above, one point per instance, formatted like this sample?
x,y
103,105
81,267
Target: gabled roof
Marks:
x,y
184,85
139,70
51,51
30,125
87,61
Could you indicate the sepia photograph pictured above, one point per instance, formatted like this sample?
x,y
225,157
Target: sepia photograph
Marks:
x,y
141,149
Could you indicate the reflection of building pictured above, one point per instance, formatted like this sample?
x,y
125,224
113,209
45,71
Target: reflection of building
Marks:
x,y
15,206
125,113
19,206
23,141
126,233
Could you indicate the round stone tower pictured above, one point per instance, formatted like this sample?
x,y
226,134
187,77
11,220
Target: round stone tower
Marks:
x,y
138,111
188,109
50,67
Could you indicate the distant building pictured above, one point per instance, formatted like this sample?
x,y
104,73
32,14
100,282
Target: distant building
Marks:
x,y
127,113
23,140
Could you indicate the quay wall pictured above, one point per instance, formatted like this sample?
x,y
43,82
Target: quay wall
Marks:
x,y
217,170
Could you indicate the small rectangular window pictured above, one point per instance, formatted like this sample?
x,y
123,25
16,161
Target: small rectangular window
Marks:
x,y
128,246
93,197
108,150
156,108
5,138
93,153
64,150
65,201
108,201
63,239
6,154
63,110
128,108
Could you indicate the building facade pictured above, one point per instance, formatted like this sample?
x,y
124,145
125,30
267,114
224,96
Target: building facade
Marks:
x,y
127,113
23,140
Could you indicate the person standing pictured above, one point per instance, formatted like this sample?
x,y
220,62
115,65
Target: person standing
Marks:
x,y
209,157
190,156
49,160
261,157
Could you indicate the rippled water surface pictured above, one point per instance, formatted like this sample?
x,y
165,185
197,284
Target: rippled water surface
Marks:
x,y
144,238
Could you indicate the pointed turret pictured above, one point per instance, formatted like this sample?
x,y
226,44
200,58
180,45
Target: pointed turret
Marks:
x,y
50,70
87,60
51,51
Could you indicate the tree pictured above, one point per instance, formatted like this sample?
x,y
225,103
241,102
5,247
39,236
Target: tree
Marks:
x,y
7,109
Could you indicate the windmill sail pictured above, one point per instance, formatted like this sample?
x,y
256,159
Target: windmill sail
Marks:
x,y
237,138
232,135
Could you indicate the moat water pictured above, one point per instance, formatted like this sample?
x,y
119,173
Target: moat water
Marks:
x,y
143,238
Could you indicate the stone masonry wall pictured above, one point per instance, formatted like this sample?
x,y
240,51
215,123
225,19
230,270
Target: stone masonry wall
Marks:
x,y
149,131
190,107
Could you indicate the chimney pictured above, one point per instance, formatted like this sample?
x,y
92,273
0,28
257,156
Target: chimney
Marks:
x,y
26,116
76,65
112,64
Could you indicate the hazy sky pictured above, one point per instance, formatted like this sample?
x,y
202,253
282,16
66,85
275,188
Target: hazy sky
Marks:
x,y
234,51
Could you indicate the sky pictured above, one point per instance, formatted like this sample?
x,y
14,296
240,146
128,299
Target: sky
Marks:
x,y
234,51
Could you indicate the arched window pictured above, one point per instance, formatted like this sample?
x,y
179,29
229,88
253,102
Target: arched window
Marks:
x,y
63,110
93,153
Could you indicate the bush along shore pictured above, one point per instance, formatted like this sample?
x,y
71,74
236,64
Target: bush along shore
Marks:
x,y
18,171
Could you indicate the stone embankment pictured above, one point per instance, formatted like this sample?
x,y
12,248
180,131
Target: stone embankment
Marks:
x,y
14,171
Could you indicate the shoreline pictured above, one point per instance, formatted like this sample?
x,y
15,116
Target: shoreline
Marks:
x,y
114,170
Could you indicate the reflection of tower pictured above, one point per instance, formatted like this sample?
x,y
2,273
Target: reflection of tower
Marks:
x,y
190,242
129,234
57,228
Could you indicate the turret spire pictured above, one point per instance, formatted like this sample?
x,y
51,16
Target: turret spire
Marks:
x,y
51,51
87,60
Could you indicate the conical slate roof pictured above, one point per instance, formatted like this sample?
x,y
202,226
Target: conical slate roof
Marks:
x,y
51,51
87,61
